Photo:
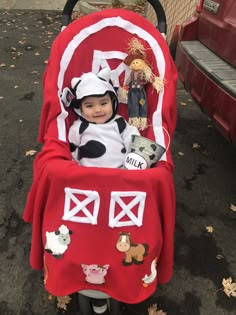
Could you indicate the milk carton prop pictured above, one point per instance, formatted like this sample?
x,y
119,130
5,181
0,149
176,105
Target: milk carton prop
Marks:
x,y
143,153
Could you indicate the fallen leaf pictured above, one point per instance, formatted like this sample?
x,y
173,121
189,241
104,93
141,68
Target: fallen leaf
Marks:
x,y
196,146
30,152
152,310
232,207
62,302
209,229
229,287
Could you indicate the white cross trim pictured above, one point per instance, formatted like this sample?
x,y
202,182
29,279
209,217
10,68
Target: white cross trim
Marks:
x,y
100,60
71,214
139,198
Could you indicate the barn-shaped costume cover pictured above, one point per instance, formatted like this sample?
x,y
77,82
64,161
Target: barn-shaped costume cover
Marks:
x,y
103,229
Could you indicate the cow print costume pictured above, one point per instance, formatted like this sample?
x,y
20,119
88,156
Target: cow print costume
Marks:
x,y
99,145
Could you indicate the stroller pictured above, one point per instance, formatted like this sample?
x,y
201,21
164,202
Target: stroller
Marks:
x,y
79,214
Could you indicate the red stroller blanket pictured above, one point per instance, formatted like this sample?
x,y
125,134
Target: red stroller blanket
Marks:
x,y
94,228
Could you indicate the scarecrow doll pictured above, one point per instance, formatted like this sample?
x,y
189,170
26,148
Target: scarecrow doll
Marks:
x,y
141,74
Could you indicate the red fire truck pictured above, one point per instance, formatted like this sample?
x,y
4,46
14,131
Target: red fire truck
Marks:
x,y
206,61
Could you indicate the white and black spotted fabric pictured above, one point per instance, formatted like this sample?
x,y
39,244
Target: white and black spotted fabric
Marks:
x,y
101,145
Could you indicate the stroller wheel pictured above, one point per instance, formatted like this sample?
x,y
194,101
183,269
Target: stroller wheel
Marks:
x,y
100,306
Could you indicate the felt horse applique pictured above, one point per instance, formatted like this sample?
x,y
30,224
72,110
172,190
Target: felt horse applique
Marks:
x,y
134,253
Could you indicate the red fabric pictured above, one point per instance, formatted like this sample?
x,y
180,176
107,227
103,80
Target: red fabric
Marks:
x,y
54,170
96,244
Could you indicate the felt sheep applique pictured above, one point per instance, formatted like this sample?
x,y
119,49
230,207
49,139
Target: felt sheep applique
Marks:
x,y
58,241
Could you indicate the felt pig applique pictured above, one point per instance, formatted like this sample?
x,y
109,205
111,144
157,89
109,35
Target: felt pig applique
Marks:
x,y
95,273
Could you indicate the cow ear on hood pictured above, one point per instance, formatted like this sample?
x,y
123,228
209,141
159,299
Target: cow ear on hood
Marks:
x,y
75,82
105,74
67,96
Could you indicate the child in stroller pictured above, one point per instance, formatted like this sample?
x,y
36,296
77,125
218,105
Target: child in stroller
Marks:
x,y
103,232
99,137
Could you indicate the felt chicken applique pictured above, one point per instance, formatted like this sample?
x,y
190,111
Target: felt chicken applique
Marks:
x,y
148,279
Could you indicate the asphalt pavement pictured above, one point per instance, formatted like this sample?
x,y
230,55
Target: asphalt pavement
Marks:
x,y
205,172
56,5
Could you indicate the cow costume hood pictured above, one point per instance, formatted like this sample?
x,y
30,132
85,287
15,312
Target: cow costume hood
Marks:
x,y
90,84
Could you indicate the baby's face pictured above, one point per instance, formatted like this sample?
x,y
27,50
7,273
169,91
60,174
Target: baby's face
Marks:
x,y
97,109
